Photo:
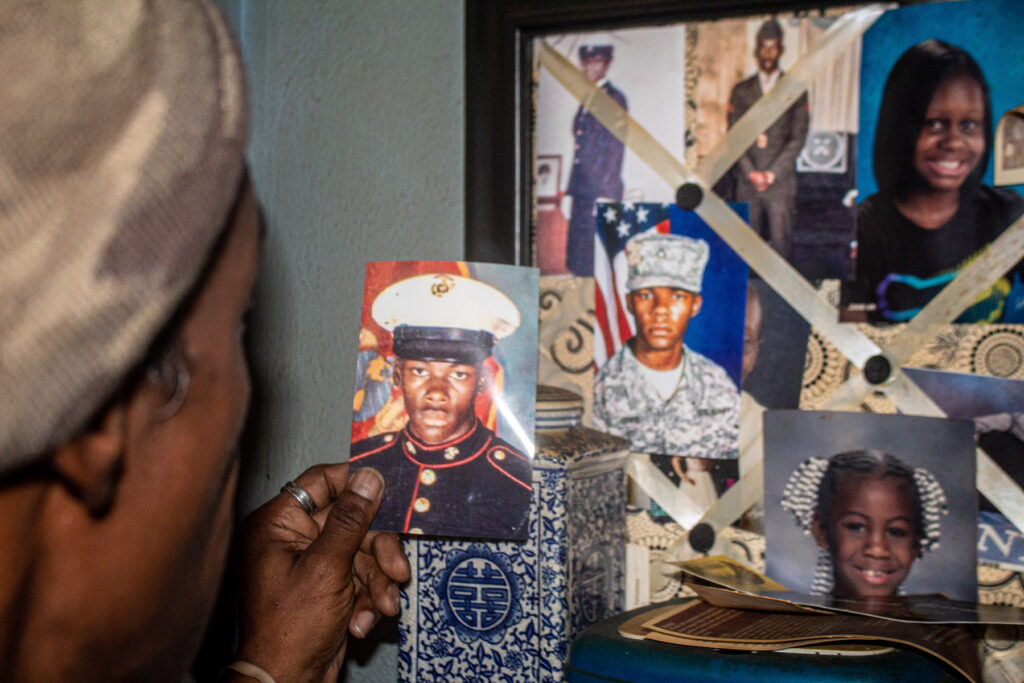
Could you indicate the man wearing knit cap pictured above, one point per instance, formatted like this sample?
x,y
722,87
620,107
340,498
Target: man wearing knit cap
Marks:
x,y
655,391
129,249
447,473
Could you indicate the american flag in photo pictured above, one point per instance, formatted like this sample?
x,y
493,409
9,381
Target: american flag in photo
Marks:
x,y
616,223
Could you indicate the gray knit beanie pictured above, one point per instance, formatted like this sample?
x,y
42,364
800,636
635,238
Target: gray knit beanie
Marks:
x,y
122,131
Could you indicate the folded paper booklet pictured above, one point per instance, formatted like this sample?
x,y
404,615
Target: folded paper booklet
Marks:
x,y
699,624
723,582
723,571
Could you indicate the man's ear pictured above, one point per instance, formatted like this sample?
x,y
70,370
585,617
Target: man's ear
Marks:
x,y
484,379
697,301
818,531
90,464
396,373
629,304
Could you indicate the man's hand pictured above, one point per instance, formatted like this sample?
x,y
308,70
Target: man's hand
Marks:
x,y
762,180
309,581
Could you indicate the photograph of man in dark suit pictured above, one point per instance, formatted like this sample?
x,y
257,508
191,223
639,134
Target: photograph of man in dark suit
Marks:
x,y
766,174
596,166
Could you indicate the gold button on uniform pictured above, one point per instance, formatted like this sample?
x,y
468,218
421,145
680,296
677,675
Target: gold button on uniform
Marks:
x,y
499,455
388,438
428,477
421,505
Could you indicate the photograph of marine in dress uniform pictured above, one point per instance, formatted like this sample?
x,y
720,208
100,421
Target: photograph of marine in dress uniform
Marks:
x,y
797,177
861,504
598,165
670,346
455,348
935,80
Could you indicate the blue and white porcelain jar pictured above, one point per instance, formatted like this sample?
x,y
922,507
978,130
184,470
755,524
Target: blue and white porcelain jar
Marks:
x,y
506,611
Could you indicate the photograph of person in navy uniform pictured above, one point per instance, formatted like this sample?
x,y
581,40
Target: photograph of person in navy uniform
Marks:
x,y
596,165
448,474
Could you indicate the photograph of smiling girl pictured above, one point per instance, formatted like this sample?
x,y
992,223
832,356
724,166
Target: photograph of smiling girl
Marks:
x,y
444,398
934,79
869,505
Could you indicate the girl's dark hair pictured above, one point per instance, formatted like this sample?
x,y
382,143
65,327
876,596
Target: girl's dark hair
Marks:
x,y
909,89
872,462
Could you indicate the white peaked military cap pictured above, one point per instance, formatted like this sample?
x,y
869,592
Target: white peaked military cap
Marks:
x,y
445,317
659,260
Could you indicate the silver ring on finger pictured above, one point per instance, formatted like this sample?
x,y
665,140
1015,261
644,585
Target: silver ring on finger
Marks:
x,y
302,495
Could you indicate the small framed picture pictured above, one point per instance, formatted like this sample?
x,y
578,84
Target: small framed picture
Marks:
x,y
1009,148
670,347
548,174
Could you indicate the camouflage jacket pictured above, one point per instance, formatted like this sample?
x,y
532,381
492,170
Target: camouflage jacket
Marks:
x,y
701,419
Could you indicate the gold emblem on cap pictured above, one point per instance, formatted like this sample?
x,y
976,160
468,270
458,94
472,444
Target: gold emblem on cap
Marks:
x,y
428,477
451,453
421,505
409,447
442,284
499,455
416,530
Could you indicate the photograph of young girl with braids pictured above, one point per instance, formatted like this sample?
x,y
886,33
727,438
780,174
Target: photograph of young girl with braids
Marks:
x,y
871,515
885,504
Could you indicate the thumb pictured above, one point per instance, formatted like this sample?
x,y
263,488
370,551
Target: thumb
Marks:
x,y
351,515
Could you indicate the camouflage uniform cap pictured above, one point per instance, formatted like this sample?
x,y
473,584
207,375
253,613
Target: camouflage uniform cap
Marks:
x,y
659,260
124,125
444,317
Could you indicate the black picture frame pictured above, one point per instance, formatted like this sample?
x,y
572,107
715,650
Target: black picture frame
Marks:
x,y
499,56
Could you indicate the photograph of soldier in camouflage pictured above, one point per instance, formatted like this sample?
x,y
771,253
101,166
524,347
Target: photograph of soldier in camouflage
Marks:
x,y
672,335
444,396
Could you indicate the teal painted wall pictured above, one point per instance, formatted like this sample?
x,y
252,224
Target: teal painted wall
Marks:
x,y
356,153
